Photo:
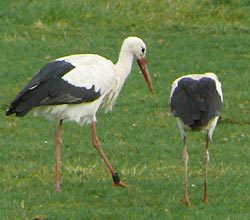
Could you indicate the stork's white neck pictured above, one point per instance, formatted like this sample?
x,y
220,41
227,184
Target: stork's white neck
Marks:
x,y
131,47
124,63
123,69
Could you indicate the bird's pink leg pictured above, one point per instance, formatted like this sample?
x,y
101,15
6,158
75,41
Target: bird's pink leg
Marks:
x,y
185,159
96,144
58,154
205,198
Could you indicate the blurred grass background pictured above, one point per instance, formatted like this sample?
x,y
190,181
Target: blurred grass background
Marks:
x,y
140,136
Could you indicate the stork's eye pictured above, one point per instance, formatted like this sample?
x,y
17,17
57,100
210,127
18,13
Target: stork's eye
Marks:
x,y
142,49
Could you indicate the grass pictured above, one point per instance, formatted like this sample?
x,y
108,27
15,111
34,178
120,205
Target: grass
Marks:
x,y
140,137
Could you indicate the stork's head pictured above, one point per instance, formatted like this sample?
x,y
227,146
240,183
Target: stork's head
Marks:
x,y
137,48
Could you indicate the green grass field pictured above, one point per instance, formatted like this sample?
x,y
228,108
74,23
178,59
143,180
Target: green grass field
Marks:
x,y
140,136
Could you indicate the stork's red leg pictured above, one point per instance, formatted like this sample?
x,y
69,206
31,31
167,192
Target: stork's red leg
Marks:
x,y
185,159
205,198
96,144
58,154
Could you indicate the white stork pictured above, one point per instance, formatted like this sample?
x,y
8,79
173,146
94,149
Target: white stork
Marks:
x,y
196,101
74,87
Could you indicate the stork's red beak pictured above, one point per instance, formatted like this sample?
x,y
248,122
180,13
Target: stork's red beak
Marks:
x,y
143,66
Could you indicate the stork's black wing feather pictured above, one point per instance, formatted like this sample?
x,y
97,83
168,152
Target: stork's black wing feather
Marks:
x,y
196,102
48,88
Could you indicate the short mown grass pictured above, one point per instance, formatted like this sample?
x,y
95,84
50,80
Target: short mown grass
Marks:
x,y
140,136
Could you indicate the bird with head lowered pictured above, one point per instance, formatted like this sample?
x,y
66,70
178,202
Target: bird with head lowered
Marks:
x,y
74,87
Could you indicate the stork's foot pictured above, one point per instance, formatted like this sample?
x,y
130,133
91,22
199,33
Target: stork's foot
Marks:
x,y
186,201
117,181
58,188
205,199
120,183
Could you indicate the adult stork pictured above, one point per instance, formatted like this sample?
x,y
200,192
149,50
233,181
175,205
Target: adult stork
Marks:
x,y
74,87
196,101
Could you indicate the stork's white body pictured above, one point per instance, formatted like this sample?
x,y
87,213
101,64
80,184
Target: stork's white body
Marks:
x,y
91,69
